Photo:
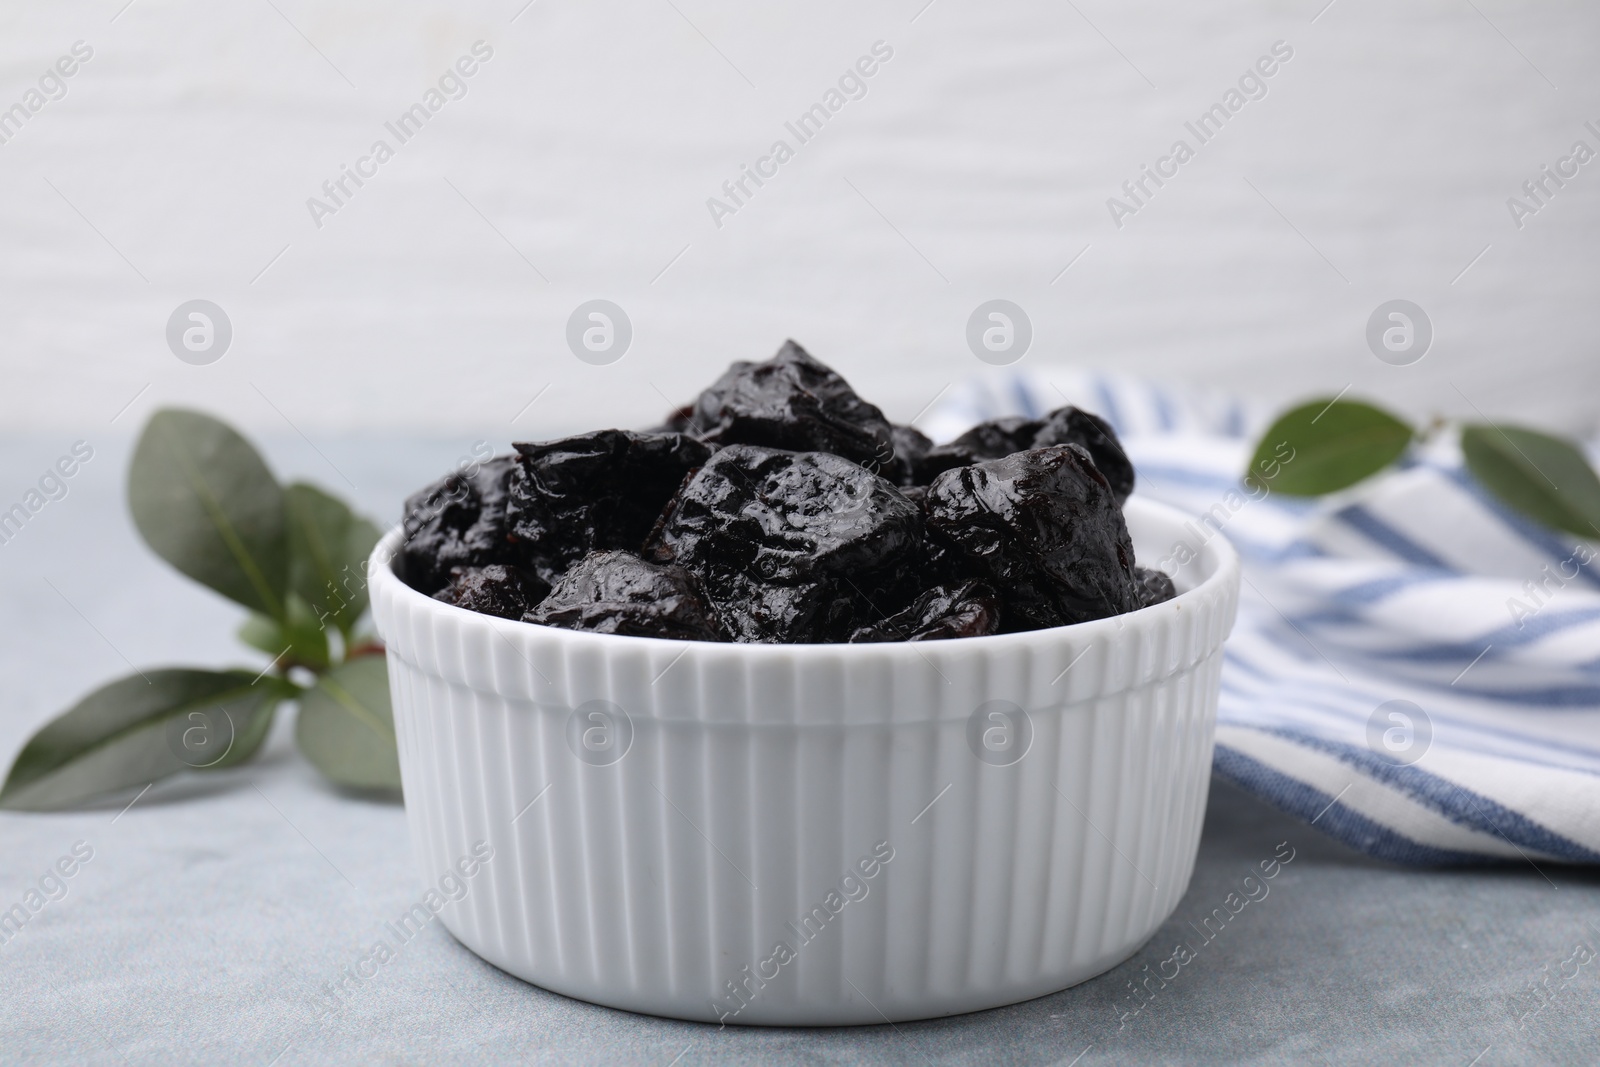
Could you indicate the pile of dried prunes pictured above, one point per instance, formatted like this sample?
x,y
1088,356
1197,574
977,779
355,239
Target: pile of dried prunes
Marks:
x,y
781,507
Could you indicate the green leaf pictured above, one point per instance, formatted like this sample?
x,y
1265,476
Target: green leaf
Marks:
x,y
346,728
262,633
328,549
138,729
1546,478
300,641
249,737
1326,445
206,503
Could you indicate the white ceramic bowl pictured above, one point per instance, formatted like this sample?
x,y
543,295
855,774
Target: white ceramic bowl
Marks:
x,y
811,834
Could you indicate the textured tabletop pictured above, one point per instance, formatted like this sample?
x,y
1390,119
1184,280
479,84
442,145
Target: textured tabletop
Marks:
x,y
210,915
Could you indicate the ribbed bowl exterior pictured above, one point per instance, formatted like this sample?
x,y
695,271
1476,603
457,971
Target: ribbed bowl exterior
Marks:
x,y
994,818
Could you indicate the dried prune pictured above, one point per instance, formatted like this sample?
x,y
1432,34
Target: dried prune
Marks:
x,y
968,610
616,592
459,521
793,402
780,506
993,439
910,446
1043,527
1154,587
784,543
593,491
493,590
676,422
1073,426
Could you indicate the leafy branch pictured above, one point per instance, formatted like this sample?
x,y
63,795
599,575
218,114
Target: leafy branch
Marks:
x,y
1338,443
295,556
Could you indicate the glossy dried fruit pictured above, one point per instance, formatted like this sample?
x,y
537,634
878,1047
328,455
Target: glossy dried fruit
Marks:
x,y
788,533
968,610
1073,426
459,521
911,445
507,592
994,439
676,422
592,492
616,592
793,402
1154,587
786,543
1043,527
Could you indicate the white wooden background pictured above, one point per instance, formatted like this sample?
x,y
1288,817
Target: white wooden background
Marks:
x,y
179,163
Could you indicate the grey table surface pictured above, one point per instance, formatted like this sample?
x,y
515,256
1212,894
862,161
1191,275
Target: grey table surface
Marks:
x,y
215,908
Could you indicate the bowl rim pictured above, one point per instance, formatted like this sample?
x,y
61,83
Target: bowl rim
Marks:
x,y
1216,558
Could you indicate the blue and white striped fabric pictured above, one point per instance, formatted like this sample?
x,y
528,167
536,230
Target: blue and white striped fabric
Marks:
x,y
1414,586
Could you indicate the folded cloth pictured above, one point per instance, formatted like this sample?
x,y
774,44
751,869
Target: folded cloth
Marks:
x,y
1415,669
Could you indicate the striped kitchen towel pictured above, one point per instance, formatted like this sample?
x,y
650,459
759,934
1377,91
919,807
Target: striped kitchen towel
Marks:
x,y
1415,669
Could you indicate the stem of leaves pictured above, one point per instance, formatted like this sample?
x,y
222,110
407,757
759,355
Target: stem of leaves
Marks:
x,y
205,501
1337,443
